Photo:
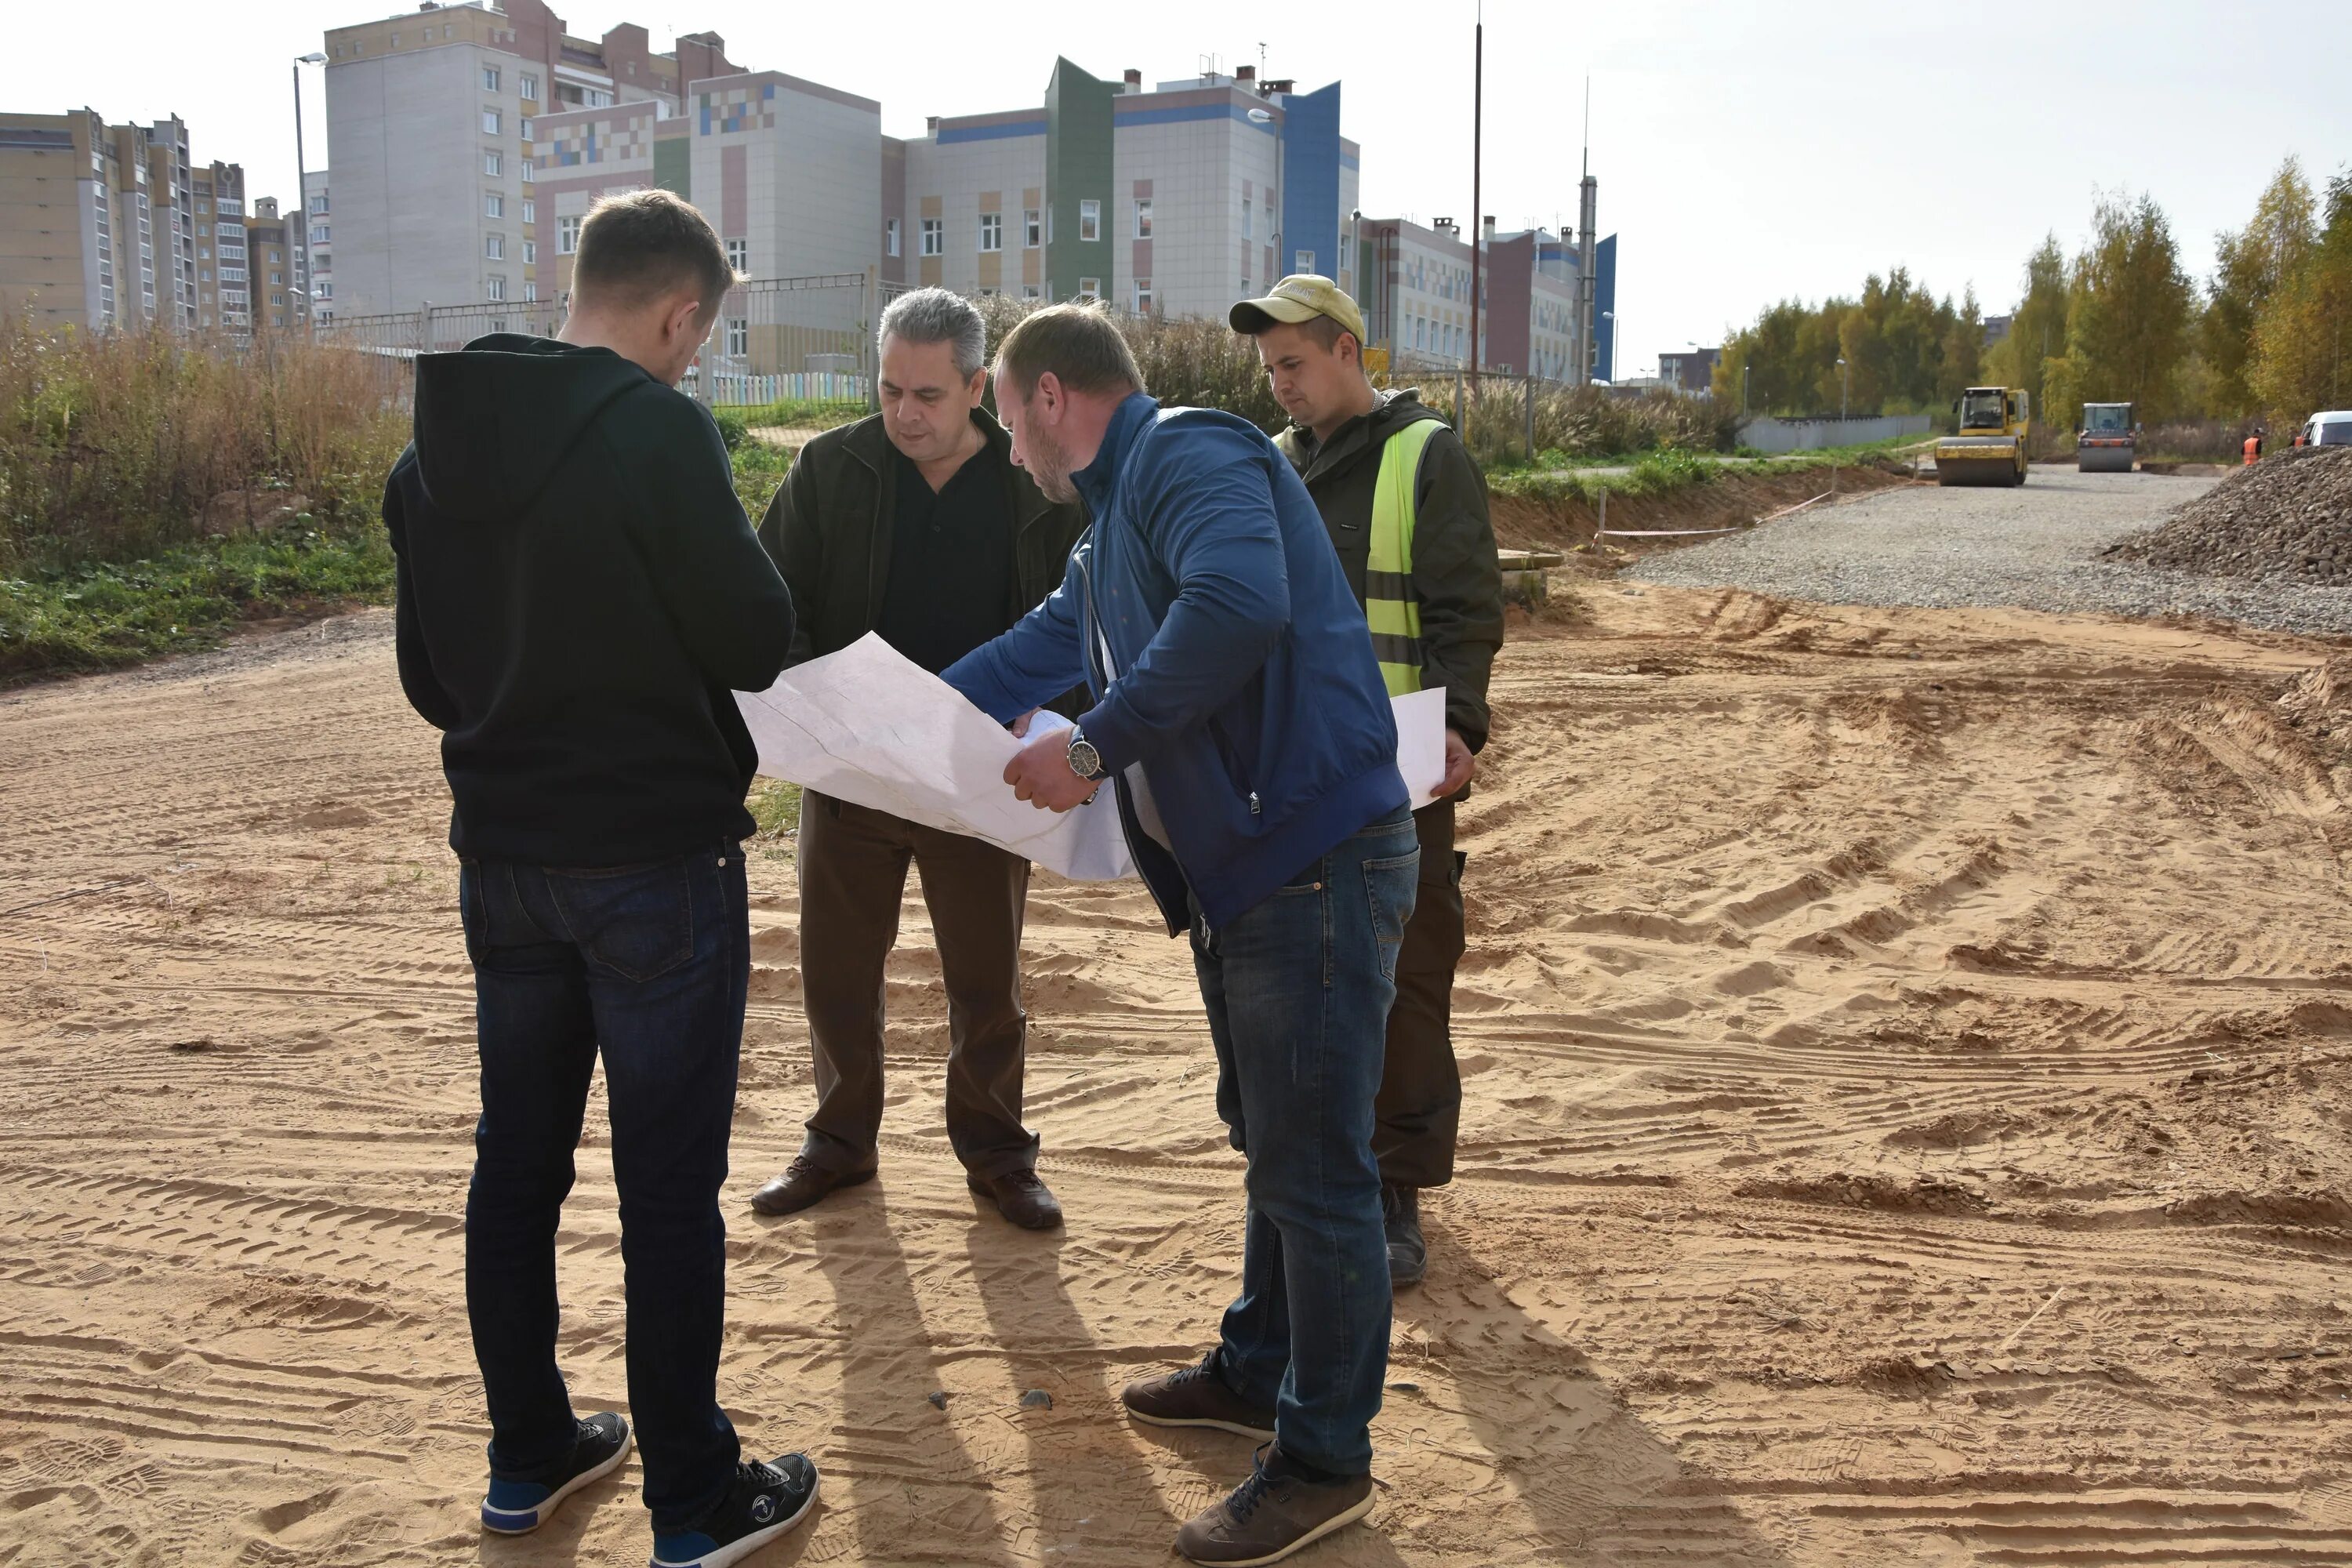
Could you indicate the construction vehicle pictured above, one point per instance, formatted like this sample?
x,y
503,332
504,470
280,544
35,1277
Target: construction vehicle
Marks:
x,y
2108,439
1990,446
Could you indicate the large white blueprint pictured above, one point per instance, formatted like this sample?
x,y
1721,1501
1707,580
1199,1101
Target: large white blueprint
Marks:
x,y
868,726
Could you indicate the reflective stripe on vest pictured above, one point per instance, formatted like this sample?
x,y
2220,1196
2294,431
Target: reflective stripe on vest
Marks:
x,y
1390,605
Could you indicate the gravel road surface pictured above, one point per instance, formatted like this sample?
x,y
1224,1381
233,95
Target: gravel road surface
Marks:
x,y
2036,548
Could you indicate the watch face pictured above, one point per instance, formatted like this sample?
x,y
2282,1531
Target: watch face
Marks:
x,y
1084,761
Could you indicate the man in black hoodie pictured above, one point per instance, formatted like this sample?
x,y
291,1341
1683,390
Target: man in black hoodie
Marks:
x,y
578,592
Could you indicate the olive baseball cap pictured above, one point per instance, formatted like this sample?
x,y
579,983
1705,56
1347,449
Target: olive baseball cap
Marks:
x,y
1298,298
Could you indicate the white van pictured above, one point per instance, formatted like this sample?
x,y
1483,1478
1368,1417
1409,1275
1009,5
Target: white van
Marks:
x,y
2331,428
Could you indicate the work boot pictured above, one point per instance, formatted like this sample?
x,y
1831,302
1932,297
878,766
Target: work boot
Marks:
x,y
1019,1197
1197,1396
1408,1254
803,1182
1271,1515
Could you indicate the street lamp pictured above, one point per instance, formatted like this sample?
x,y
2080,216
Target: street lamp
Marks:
x,y
1846,379
302,246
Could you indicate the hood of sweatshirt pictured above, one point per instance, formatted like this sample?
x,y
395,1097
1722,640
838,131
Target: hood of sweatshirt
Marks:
x,y
495,420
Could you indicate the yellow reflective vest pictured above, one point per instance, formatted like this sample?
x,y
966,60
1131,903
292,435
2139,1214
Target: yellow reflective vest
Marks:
x,y
1390,605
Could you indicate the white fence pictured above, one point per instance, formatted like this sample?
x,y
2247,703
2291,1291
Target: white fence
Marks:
x,y
796,386
1768,434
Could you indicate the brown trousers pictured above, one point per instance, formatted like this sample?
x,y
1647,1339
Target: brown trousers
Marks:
x,y
853,876
1419,1110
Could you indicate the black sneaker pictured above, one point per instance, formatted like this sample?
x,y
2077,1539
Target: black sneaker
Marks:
x,y
765,1501
1408,1254
518,1503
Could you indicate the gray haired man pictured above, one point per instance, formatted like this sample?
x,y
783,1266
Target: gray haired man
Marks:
x,y
914,523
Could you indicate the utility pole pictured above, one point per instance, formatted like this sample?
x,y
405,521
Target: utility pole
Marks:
x,y
1477,222
1588,287
301,236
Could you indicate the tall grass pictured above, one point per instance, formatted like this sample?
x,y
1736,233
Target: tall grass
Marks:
x,y
1207,364
114,446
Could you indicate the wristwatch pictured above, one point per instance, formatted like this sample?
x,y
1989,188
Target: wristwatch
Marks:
x,y
1084,761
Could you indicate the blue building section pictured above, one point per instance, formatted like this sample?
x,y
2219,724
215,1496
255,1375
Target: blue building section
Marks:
x,y
951,134
1311,173
1604,305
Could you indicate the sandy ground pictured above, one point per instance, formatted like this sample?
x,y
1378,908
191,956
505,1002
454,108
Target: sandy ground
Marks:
x,y
1907,1061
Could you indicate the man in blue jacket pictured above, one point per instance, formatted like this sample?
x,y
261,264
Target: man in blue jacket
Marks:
x,y
1240,718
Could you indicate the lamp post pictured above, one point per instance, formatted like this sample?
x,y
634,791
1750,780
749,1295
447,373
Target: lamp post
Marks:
x,y
1846,379
1744,368
302,246
1616,330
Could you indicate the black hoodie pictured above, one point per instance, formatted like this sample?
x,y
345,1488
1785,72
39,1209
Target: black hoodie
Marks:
x,y
578,591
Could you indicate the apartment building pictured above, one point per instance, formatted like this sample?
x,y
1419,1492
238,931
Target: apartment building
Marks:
x,y
1417,302
280,279
57,220
320,251
132,218
784,168
1178,200
170,189
433,119
217,216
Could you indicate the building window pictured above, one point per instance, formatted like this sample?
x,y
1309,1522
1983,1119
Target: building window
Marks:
x,y
321,233
1143,295
525,171
529,289
497,285
1143,218
494,204
934,237
1089,220
494,246
1089,290
491,121
530,210
489,79
203,230
275,255
738,256
277,277
326,288
277,299
738,337
567,235
1029,291
890,238
492,165
522,126
1302,261
992,231
527,84
1029,231
1246,214
529,252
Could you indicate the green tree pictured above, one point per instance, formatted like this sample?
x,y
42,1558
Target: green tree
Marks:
x,y
2303,333
2250,266
1901,347
2128,317
2037,328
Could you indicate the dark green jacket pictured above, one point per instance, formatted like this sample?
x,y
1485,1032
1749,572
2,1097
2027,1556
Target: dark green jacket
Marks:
x,y
1454,573
829,532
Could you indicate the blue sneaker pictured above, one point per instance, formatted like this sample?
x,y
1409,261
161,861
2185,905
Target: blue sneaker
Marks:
x,y
518,1504
765,1501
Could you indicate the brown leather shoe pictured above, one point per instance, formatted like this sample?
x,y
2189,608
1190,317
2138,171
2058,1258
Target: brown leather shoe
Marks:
x,y
804,1182
1196,1396
1021,1197
1271,1515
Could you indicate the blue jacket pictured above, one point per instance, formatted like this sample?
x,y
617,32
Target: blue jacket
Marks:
x,y
1246,685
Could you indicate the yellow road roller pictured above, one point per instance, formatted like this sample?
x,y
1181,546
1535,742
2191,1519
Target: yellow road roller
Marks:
x,y
1990,447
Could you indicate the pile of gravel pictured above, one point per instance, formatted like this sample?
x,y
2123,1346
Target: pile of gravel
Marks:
x,y
2288,519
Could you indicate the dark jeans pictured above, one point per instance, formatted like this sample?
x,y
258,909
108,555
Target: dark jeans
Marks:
x,y
853,871
648,962
1419,1112
1297,992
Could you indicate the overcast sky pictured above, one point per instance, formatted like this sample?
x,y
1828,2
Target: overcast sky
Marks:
x,y
1746,152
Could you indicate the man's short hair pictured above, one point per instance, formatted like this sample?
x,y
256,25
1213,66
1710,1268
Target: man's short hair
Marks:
x,y
638,246
1080,345
937,316
1325,333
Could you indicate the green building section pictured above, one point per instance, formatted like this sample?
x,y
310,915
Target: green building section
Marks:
x,y
674,164
1077,168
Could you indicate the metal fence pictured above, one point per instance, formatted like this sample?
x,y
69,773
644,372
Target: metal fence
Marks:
x,y
776,339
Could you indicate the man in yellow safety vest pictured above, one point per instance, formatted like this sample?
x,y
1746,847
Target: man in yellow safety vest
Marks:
x,y
1406,509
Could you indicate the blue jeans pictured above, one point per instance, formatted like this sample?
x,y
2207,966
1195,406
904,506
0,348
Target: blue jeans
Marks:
x,y
650,963
1297,992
